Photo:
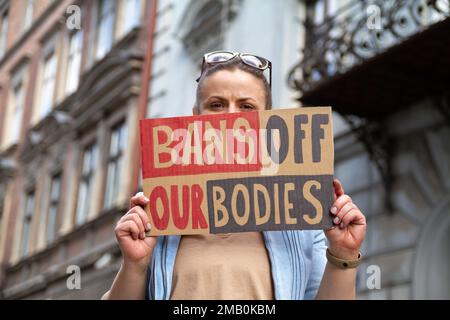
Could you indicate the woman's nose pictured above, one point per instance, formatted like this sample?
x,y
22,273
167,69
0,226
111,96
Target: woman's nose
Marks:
x,y
233,108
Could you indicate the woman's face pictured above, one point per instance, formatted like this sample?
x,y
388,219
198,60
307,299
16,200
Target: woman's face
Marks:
x,y
228,91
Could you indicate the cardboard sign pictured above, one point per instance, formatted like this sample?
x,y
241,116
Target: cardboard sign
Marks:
x,y
236,172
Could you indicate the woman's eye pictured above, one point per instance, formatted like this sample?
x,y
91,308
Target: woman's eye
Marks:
x,y
247,106
216,105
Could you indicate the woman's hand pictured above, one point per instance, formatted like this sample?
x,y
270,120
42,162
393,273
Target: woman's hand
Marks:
x,y
130,231
347,236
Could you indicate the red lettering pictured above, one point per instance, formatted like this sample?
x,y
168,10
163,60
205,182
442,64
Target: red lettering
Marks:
x,y
180,221
160,223
197,214
175,147
191,199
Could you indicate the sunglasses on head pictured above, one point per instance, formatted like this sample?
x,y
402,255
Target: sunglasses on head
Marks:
x,y
249,59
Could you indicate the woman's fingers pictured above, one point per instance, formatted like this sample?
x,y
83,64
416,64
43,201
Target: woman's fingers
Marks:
x,y
137,220
353,216
138,200
137,214
143,216
340,203
128,226
344,210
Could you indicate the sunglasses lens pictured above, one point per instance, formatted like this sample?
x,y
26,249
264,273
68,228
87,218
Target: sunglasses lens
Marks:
x,y
219,57
255,61
224,56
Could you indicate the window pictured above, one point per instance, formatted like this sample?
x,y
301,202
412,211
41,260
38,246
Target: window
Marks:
x,y
105,27
18,105
28,14
130,14
116,147
29,209
48,83
73,61
15,105
202,28
86,183
18,101
4,22
55,192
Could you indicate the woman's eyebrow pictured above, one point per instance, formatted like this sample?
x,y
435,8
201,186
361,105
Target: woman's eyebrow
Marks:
x,y
215,97
246,98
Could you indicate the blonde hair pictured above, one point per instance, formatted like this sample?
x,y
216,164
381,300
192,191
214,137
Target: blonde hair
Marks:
x,y
233,64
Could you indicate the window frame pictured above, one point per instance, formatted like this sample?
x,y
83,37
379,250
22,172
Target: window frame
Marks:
x,y
212,35
4,15
97,30
68,59
116,158
28,216
18,98
53,203
50,45
29,9
83,177
19,76
119,26
123,25
52,58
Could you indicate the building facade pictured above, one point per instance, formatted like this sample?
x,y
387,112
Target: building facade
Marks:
x,y
383,67
71,96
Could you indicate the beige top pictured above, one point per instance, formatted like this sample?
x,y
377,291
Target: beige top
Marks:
x,y
222,267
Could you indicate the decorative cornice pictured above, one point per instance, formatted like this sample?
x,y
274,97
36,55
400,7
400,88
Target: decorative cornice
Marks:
x,y
104,87
75,235
7,168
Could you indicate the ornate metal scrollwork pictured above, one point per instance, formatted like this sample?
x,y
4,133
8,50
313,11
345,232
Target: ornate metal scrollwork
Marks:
x,y
355,32
358,31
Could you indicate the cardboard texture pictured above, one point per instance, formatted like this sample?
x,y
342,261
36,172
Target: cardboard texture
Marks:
x,y
237,172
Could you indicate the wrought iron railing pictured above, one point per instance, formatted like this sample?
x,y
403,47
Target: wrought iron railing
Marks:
x,y
356,31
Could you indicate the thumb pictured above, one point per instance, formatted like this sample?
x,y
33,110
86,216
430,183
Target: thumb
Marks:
x,y
333,232
150,240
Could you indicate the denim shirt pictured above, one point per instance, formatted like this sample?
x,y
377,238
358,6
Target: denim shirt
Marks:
x,y
297,260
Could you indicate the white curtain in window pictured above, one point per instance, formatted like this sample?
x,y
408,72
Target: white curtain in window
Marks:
x,y
74,61
28,16
3,33
86,184
17,107
53,208
117,145
105,35
48,83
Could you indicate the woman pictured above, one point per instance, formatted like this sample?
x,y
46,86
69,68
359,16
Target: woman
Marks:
x,y
250,265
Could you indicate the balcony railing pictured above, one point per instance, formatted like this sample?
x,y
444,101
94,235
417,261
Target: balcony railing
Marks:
x,y
341,37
